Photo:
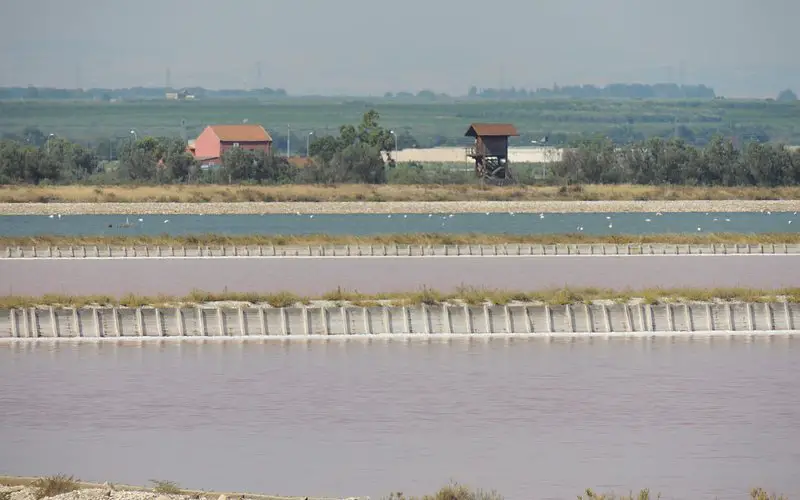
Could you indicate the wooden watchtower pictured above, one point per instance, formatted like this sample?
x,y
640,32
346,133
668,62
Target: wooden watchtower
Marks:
x,y
490,150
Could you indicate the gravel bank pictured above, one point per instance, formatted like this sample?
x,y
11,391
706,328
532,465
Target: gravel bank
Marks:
x,y
399,207
109,492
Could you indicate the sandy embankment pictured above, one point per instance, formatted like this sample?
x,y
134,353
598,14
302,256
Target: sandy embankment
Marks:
x,y
408,207
96,491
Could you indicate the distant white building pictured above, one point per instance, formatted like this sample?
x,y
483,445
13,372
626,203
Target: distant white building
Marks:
x,y
178,96
459,155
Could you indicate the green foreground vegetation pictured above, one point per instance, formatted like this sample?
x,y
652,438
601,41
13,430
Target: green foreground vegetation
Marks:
x,y
422,239
463,295
46,487
358,154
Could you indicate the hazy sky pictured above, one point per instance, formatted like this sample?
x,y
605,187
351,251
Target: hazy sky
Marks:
x,y
371,46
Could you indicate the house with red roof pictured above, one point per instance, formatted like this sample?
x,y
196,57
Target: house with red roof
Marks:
x,y
212,143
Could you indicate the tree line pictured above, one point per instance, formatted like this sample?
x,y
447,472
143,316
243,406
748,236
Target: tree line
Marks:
x,y
656,161
611,91
362,153
133,93
356,155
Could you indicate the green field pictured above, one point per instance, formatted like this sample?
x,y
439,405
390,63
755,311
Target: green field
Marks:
x,y
423,124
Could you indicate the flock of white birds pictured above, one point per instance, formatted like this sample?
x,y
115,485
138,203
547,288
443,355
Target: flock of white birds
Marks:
x,y
450,216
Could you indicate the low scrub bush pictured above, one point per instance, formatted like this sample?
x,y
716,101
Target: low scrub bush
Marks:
x,y
51,486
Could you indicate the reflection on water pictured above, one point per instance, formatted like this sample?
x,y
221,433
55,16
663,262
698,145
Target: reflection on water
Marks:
x,y
531,418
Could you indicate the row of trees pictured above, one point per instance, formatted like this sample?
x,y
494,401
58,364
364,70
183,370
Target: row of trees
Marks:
x,y
57,160
615,90
658,161
356,155
132,93
362,154
612,91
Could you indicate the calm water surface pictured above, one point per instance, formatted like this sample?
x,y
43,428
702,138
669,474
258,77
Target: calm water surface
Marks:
x,y
693,419
361,224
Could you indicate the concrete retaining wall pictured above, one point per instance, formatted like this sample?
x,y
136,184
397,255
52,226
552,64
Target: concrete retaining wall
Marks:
x,y
395,250
579,319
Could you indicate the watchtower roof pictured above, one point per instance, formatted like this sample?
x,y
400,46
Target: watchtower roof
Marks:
x,y
492,130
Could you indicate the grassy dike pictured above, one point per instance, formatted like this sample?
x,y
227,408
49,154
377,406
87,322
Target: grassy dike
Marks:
x,y
466,295
70,488
380,193
424,239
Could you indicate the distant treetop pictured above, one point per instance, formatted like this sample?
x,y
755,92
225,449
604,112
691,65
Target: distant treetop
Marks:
x,y
787,96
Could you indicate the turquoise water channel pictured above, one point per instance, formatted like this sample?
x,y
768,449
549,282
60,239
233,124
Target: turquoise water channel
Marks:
x,y
374,224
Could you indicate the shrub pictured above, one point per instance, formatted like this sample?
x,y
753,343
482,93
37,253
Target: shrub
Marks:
x,y
54,485
166,487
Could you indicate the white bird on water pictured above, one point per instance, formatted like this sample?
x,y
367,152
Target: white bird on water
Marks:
x,y
51,216
166,220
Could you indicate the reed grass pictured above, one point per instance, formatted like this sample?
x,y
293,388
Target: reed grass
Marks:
x,y
386,192
463,295
422,239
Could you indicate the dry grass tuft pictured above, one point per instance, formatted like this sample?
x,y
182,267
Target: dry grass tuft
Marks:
x,y
453,491
641,495
166,487
51,486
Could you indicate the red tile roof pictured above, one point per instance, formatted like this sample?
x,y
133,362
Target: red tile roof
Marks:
x,y
241,133
491,130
